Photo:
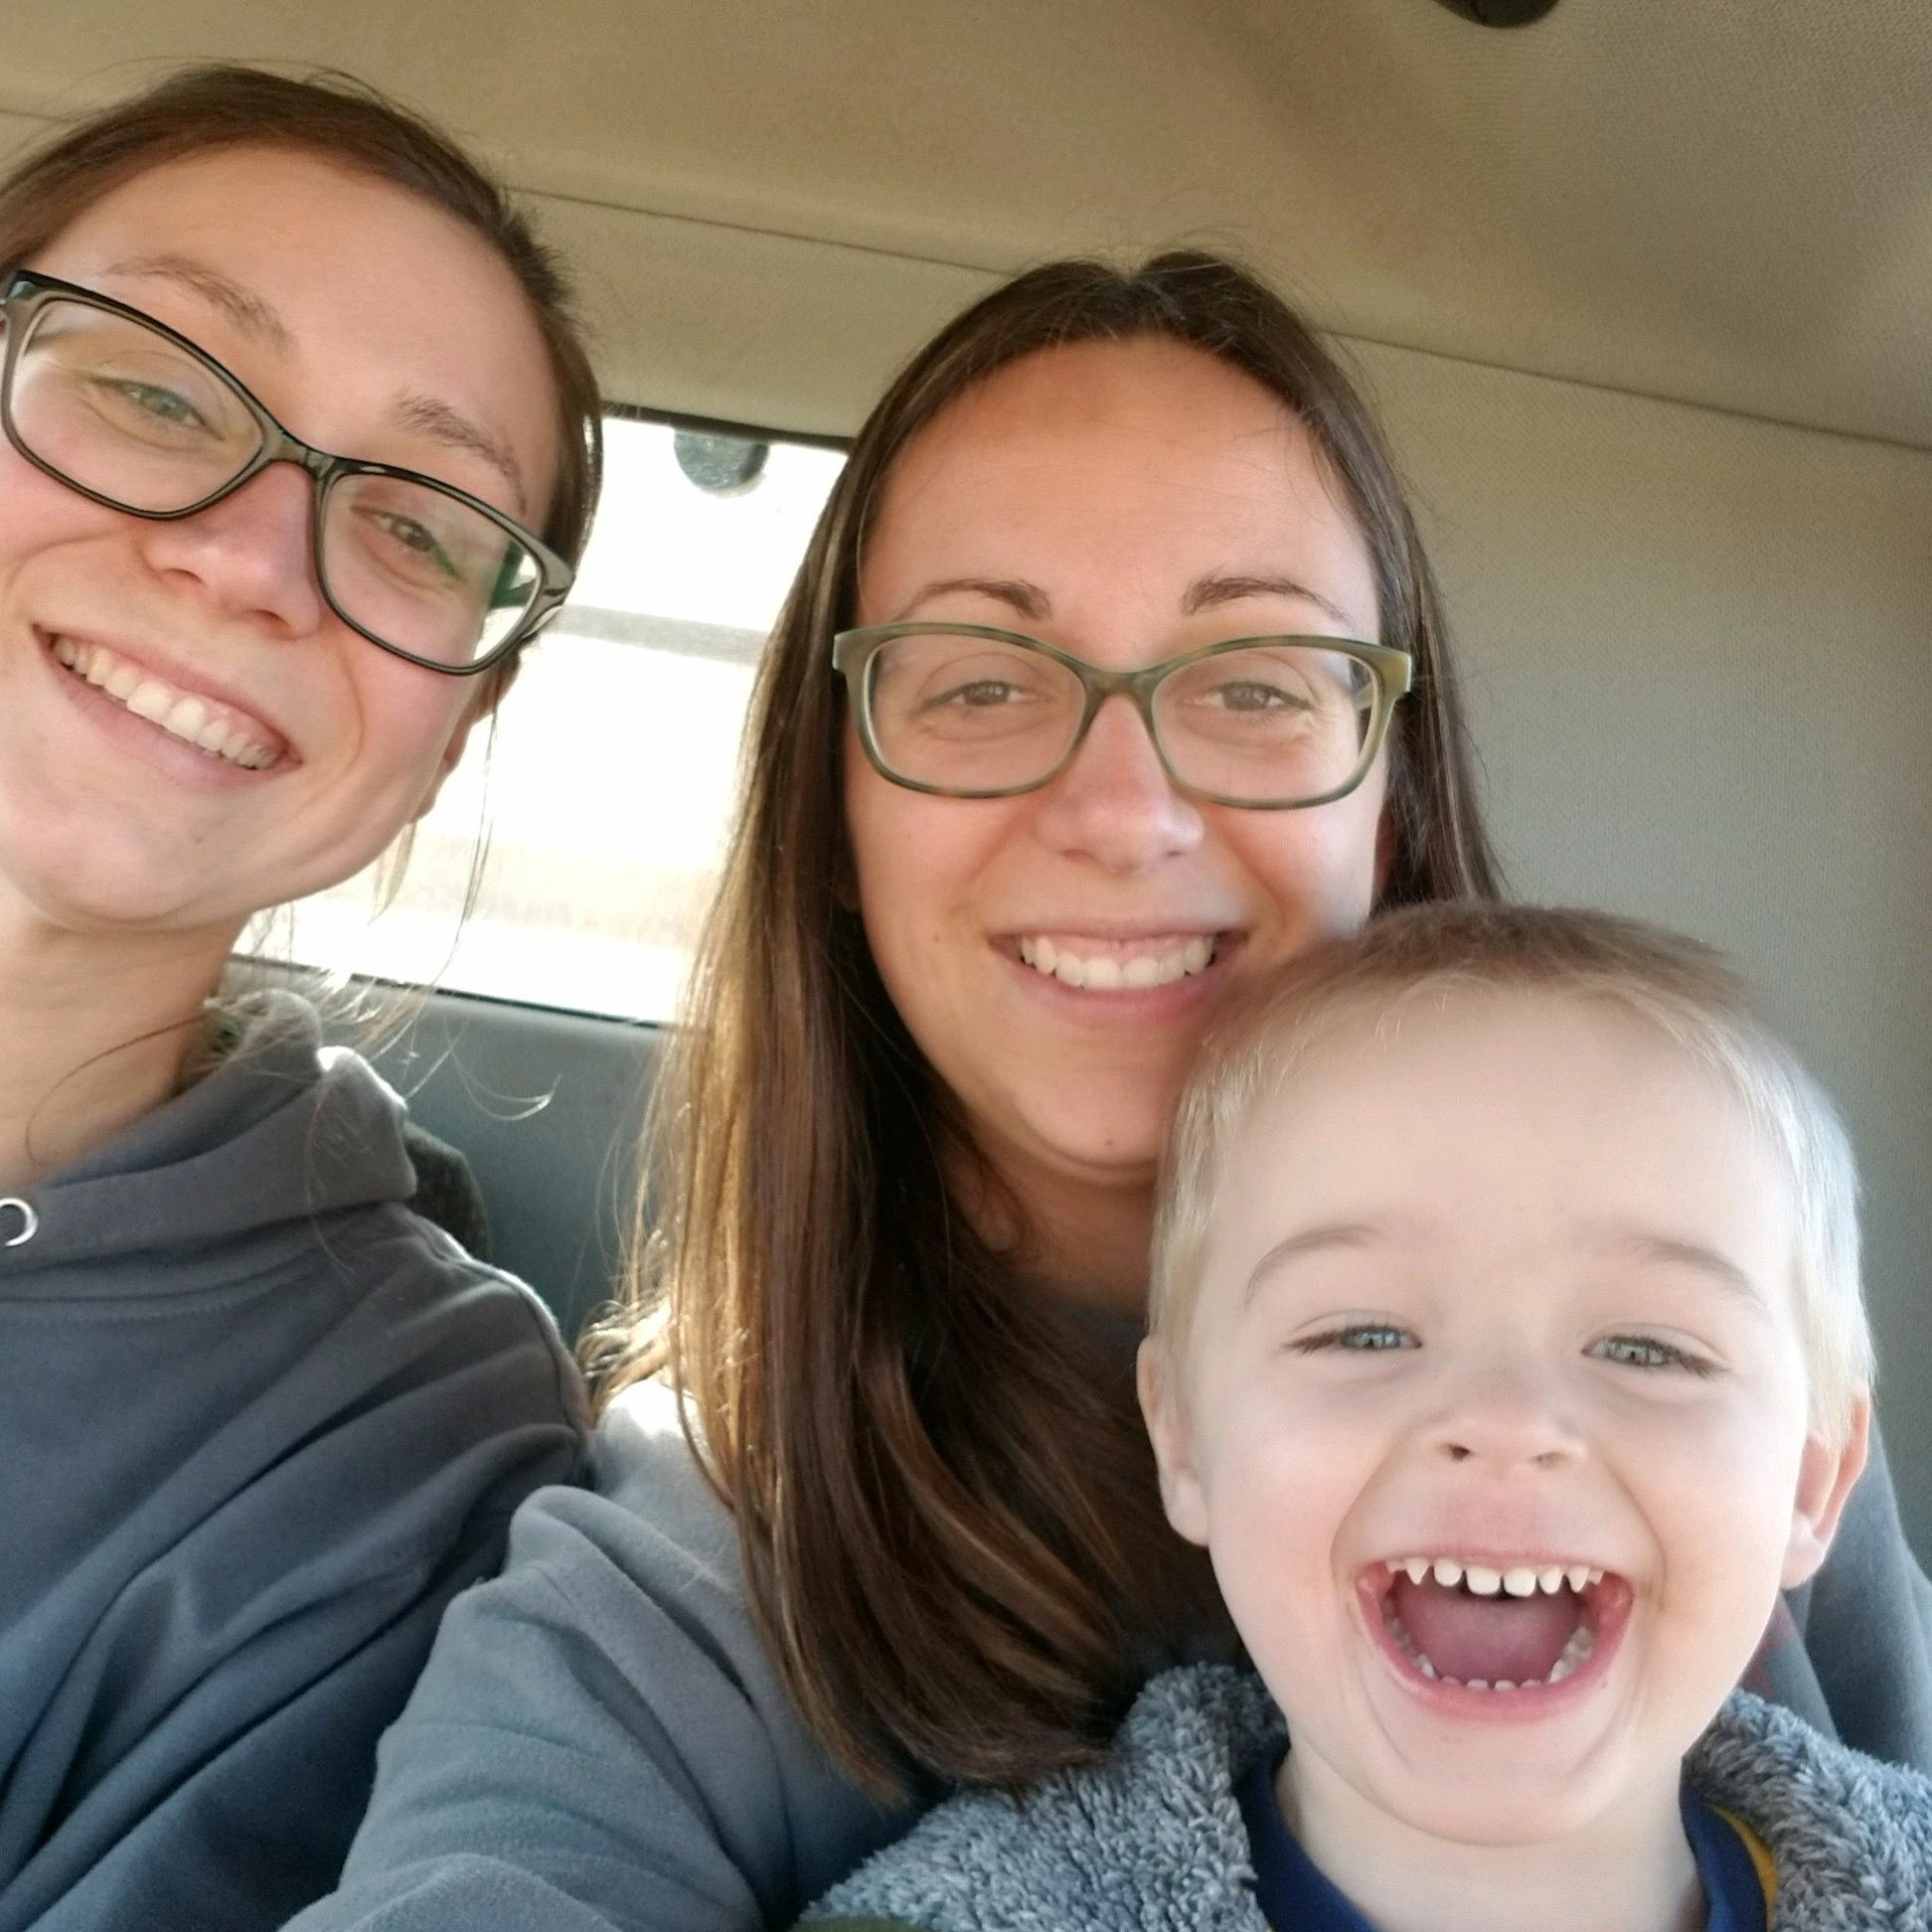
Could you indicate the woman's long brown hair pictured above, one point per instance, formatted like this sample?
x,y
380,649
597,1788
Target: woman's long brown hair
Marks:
x,y
946,1506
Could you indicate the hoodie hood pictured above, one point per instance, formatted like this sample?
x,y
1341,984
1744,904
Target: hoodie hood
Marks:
x,y
284,1131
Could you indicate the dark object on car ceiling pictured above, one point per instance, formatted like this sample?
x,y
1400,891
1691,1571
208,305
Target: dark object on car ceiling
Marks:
x,y
721,465
1500,13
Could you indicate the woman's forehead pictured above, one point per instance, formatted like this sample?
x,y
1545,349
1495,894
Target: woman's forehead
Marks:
x,y
1117,463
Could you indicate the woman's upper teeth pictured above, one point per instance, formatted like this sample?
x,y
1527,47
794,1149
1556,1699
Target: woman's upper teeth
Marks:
x,y
194,721
1111,970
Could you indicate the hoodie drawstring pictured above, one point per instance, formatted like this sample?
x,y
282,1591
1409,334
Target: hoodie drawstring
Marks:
x,y
29,1222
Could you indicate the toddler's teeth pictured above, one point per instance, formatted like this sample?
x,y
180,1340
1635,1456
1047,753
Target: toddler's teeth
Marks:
x,y
1576,1652
1519,1583
1483,1583
1595,1576
1549,1582
1476,1684
1577,1577
1423,1664
1503,1683
1447,1573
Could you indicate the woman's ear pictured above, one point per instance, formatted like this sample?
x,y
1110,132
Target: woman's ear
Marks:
x,y
1826,1479
1165,1415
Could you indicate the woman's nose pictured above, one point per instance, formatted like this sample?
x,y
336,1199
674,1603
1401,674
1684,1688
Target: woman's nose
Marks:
x,y
1114,803
252,555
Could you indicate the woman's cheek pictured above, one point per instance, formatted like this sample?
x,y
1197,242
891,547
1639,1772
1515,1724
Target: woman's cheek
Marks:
x,y
409,728
1317,870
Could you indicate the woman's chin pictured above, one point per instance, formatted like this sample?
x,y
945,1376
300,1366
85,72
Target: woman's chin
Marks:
x,y
103,887
1094,1133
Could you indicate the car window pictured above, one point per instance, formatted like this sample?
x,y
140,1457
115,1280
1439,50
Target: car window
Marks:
x,y
588,821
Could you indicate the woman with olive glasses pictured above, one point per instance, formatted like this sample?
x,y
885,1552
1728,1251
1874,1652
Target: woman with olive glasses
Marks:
x,y
258,1422
1114,676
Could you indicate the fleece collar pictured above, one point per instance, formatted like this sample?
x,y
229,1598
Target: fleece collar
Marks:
x,y
1153,1838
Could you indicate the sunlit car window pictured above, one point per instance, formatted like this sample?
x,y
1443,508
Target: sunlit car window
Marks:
x,y
604,793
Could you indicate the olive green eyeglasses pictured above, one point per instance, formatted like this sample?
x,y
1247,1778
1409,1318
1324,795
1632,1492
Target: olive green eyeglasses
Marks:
x,y
1271,722
122,409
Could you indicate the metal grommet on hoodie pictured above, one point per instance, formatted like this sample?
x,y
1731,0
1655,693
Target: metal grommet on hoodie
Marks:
x,y
13,1209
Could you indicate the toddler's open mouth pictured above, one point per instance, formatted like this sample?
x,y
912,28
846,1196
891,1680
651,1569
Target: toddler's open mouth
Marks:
x,y
1528,1626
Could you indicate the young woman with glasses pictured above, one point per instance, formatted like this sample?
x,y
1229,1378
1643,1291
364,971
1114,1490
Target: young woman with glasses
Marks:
x,y
1115,673
299,444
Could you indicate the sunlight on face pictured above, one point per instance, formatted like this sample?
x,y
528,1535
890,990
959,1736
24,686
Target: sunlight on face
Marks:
x,y
1505,1283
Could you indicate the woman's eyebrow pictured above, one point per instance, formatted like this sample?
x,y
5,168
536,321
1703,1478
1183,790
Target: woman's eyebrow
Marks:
x,y
1029,600
431,416
245,309
1204,593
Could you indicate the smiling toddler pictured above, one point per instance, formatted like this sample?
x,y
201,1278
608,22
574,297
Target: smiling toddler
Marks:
x,y
1507,1356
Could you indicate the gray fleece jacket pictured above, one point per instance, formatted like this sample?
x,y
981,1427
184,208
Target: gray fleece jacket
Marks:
x,y
1153,1839
258,1423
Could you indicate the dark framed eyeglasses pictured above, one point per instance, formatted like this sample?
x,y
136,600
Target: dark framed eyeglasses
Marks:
x,y
133,415
1269,723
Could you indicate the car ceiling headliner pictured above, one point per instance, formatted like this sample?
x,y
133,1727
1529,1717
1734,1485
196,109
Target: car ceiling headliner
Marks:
x,y
1727,203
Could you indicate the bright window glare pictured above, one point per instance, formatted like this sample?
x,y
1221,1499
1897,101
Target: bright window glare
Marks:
x,y
608,783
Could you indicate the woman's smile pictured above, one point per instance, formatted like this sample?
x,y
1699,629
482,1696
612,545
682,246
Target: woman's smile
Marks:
x,y
1145,980
178,704
1113,965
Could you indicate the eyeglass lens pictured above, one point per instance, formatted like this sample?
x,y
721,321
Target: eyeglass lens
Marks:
x,y
1280,722
122,412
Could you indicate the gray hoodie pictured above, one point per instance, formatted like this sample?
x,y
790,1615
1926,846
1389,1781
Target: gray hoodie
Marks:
x,y
258,1423
1154,1840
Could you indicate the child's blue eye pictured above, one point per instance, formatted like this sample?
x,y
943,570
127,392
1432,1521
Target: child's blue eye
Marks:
x,y
1359,1338
1646,1351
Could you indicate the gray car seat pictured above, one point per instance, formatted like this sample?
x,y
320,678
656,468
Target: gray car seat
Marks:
x,y
545,1107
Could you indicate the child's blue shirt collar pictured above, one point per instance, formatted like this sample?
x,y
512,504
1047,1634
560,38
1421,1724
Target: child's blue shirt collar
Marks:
x,y
1295,1896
